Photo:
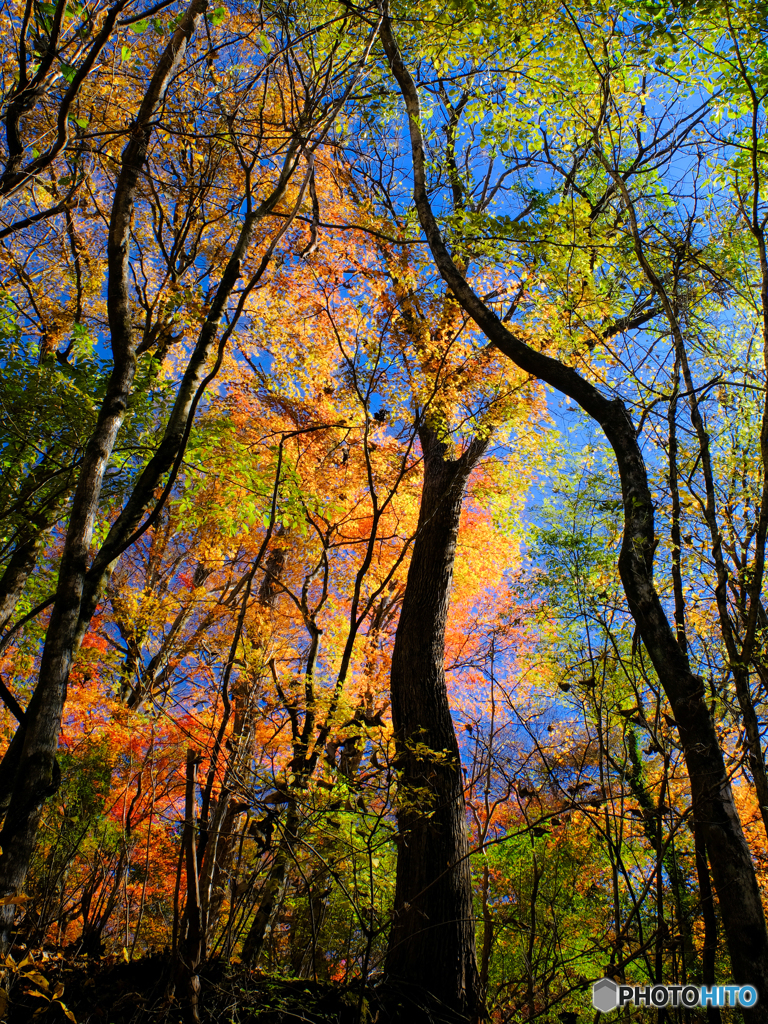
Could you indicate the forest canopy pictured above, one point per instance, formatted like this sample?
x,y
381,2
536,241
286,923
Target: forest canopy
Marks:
x,y
383,508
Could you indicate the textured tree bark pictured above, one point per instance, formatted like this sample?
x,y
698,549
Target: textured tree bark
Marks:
x,y
712,798
432,942
709,950
191,942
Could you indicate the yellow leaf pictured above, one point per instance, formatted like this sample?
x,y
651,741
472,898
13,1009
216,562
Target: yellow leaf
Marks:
x,y
67,1011
37,978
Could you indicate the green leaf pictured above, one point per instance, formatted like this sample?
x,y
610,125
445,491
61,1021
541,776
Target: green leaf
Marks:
x,y
219,15
125,53
140,26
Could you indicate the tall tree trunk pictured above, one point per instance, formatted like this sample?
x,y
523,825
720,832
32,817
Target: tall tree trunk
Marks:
x,y
713,805
191,942
432,942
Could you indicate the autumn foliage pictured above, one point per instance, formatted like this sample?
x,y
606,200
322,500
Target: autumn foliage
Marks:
x,y
263,270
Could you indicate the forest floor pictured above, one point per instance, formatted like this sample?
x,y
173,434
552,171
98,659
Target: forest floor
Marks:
x,y
109,990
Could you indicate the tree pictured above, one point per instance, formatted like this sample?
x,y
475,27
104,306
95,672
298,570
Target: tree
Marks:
x,y
713,804
432,943
31,758
343,469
